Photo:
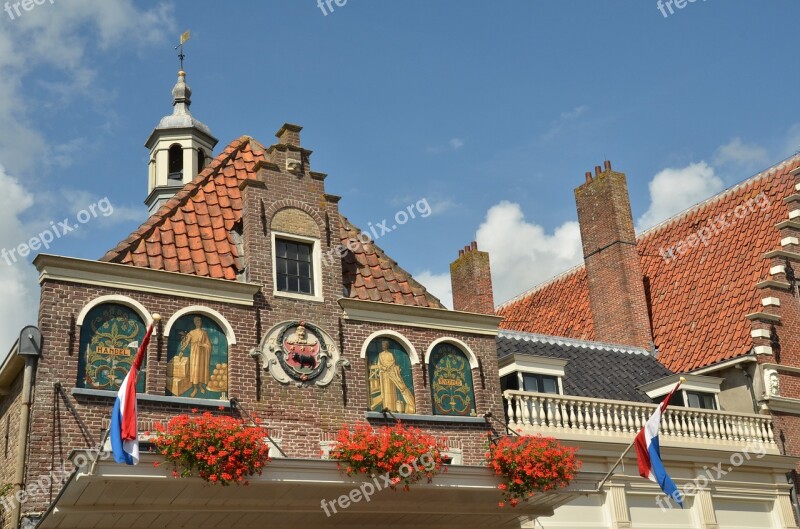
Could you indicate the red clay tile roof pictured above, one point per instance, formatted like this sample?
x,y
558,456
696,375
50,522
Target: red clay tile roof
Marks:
x,y
192,234
698,299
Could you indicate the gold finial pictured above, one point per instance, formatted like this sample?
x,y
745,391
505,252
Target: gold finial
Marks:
x,y
156,316
682,379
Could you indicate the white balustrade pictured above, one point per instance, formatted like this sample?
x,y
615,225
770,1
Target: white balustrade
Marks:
x,y
550,414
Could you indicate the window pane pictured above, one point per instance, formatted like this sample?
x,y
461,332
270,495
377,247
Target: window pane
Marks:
x,y
550,385
294,284
303,252
694,401
283,283
281,248
305,285
305,270
281,266
291,251
531,382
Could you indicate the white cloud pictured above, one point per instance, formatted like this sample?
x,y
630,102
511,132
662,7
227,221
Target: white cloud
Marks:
x,y
59,39
456,143
738,153
565,117
673,190
453,144
58,42
18,286
522,254
437,284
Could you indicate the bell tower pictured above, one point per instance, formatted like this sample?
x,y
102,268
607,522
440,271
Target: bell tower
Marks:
x,y
180,148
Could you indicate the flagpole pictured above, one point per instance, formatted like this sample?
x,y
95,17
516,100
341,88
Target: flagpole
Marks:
x,y
610,472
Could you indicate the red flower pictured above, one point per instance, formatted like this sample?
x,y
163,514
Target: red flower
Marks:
x,y
531,464
219,449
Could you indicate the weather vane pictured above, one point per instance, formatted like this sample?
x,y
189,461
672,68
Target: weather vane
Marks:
x,y
184,37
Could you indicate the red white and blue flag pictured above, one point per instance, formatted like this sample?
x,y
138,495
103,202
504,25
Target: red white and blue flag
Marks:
x,y
648,452
124,430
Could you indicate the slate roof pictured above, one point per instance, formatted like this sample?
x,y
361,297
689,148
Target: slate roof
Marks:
x,y
595,369
192,234
698,299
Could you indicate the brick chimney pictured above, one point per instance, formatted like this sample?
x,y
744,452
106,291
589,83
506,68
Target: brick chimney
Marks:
x,y
616,287
471,278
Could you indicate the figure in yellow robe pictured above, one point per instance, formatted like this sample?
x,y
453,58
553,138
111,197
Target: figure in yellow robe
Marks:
x,y
391,381
199,356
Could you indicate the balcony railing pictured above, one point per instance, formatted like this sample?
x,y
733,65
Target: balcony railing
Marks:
x,y
552,415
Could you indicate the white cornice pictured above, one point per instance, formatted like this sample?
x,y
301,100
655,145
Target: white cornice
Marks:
x,y
125,277
783,405
425,317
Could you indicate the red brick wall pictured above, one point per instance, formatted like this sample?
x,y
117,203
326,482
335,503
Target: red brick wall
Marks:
x,y
616,289
10,406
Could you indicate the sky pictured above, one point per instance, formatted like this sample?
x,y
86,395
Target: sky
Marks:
x,y
487,112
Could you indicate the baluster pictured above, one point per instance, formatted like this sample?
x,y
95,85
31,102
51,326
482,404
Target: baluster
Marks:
x,y
762,431
536,419
705,429
615,414
572,418
603,423
770,433
595,421
726,422
526,410
518,410
681,427
671,423
549,410
694,426
512,420
638,413
626,419
557,412
580,410
715,426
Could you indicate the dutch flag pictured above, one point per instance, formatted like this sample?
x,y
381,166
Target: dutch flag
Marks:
x,y
124,431
649,454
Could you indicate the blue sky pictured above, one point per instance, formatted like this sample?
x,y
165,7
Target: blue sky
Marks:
x,y
491,111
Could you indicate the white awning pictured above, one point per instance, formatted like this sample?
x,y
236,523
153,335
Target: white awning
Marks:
x,y
289,494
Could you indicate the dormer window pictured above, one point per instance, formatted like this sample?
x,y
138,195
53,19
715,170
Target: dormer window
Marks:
x,y
537,374
698,391
175,162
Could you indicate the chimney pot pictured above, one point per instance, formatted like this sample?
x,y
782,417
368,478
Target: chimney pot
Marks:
x,y
588,176
597,170
474,245
607,165
460,252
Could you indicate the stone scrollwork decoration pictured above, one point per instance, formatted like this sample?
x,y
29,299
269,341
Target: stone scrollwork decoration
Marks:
x,y
299,352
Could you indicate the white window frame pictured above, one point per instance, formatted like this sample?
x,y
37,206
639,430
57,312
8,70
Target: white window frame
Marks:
x,y
316,264
537,365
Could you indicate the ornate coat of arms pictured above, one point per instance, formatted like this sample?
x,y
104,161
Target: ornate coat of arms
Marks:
x,y
299,352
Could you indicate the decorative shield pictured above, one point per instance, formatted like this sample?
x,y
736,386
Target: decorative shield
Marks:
x,y
299,351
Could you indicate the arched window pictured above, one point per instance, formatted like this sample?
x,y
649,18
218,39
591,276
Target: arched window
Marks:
x,y
452,391
175,162
391,384
197,358
110,337
201,160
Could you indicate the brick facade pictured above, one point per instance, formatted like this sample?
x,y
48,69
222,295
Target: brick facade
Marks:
x,y
471,279
301,417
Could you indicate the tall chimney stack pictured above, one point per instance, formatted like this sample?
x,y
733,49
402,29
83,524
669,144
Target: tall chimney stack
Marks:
x,y
616,287
471,279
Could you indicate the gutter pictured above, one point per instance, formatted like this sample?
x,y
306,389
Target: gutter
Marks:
x,y
30,347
